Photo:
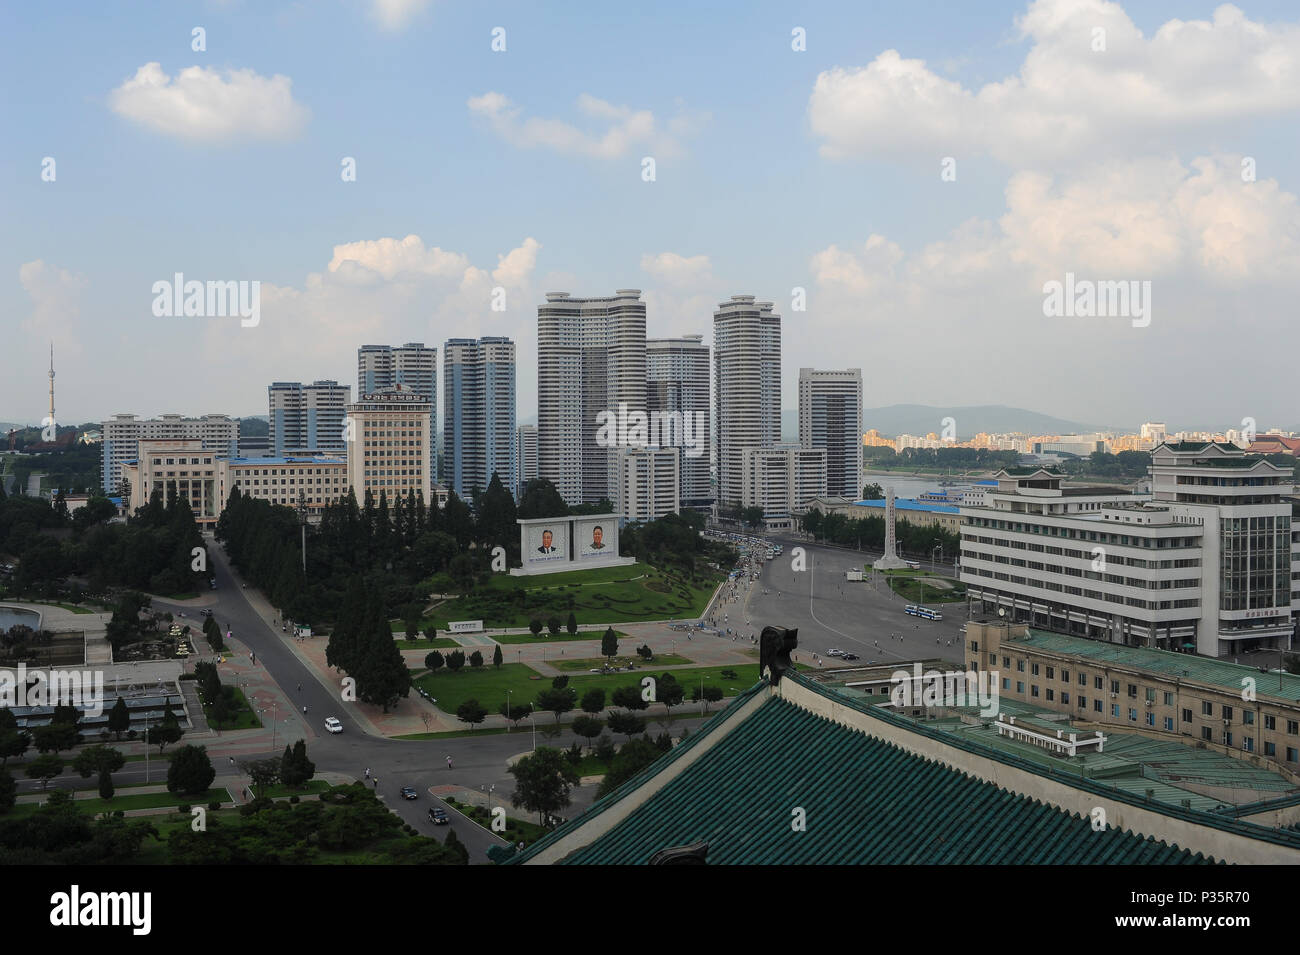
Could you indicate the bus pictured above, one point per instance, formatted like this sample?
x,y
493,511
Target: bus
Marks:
x,y
925,613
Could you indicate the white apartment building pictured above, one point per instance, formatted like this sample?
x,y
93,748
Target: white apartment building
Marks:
x,y
525,456
747,388
649,481
677,380
413,365
206,479
782,480
307,417
830,417
1204,563
123,433
388,451
591,359
478,433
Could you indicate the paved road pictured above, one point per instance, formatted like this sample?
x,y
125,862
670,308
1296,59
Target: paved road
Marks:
x,y
830,611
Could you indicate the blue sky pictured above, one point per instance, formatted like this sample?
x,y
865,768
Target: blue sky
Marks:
x,y
764,182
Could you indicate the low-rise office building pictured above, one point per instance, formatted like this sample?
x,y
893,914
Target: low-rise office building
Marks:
x,y
782,480
1234,708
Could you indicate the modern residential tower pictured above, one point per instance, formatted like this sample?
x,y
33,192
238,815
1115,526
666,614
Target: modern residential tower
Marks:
x,y
677,382
306,417
478,431
830,417
747,385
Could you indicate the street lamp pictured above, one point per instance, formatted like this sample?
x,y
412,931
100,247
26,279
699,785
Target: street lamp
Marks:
x,y
533,722
509,711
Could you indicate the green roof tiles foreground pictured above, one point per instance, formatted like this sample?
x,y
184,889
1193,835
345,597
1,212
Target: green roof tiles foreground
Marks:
x,y
864,800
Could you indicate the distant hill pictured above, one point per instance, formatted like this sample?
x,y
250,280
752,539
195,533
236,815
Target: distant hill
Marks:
x,y
970,420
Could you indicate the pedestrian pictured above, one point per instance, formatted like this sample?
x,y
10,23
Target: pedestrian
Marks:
x,y
449,762
304,709
376,782
299,687
367,772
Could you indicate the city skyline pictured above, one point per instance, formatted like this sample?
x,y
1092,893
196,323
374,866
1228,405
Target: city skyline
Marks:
x,y
896,253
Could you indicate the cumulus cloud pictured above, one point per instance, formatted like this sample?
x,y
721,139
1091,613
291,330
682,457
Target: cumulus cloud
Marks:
x,y
675,269
612,130
1222,257
205,105
1068,100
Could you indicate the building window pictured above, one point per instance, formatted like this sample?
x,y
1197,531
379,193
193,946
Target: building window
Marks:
x,y
1169,699
1114,710
1033,689
1132,715
1083,679
1207,708
1187,715
1020,666
1051,695
1169,723
1033,671
1065,698
1020,686
1097,684
1270,722
1270,749
1248,717
1293,727
1227,712
1206,734
1292,754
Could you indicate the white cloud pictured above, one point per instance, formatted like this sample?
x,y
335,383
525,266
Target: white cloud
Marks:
x,y
617,128
1067,101
396,14
56,305
202,104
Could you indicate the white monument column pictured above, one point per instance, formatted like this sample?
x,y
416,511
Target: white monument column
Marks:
x,y
891,560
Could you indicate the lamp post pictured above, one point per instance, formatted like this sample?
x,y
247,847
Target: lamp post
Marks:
x,y
509,711
533,722
146,747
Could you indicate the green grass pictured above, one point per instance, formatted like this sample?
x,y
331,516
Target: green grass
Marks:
x,y
440,643
547,637
312,787
915,589
589,663
603,595
245,720
517,830
137,801
489,684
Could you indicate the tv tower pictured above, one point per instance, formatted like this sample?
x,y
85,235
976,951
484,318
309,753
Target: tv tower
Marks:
x,y
51,382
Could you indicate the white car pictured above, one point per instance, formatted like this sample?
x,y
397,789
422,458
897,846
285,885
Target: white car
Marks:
x,y
333,725
832,652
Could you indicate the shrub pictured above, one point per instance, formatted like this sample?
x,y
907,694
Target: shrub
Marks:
x,y
294,800
214,805
183,808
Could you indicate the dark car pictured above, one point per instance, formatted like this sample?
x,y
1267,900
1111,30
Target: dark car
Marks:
x,y
409,792
438,817
848,656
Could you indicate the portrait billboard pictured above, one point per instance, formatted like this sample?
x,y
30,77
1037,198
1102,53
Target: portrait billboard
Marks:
x,y
595,538
546,542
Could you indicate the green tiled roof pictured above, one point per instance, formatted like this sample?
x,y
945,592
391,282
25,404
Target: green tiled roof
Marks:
x,y
865,801
1183,666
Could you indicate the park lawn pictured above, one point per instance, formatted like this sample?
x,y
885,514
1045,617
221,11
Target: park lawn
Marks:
x,y
604,595
915,589
245,720
595,663
517,830
547,637
137,801
489,684
440,643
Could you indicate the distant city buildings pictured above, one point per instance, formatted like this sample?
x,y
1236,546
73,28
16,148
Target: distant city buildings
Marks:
x,y
830,418
648,482
478,414
677,382
747,389
306,417
591,360
123,433
525,456
782,480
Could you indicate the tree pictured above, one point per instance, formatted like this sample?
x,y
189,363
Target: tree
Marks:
x,y
106,789
455,845
263,773
295,768
628,724
629,697
411,620
711,694
670,692
559,682
476,659
644,652
471,712
609,644
12,743
557,701
98,760
588,727
543,782
553,625
119,717
8,788
541,499
635,756
535,626
44,768
593,701
166,733
873,492
571,624
190,771
514,713
433,661
55,737
496,656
